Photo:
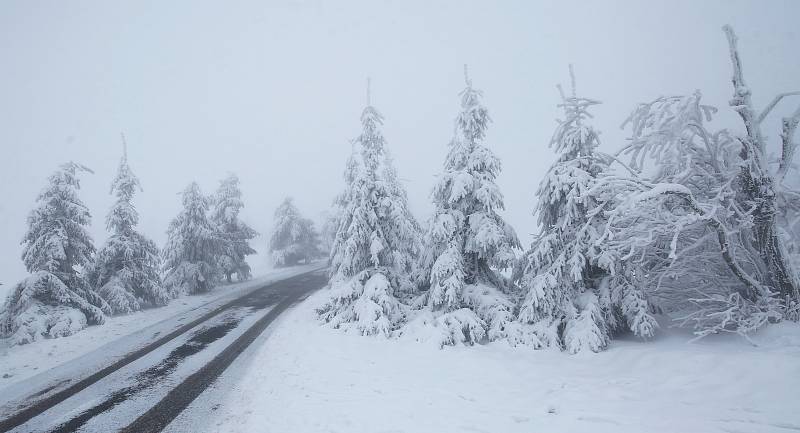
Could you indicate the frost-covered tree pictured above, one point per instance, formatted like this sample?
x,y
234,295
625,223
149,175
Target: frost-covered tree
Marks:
x,y
373,254
233,232
193,244
570,300
294,238
700,215
467,240
342,205
125,270
760,186
55,300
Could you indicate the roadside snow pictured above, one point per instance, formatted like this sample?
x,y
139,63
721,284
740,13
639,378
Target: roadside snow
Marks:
x,y
120,398
119,334
308,378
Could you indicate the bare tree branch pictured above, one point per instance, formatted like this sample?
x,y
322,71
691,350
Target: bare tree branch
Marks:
x,y
741,102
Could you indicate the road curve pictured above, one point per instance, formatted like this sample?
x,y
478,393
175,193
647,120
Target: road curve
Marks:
x,y
282,294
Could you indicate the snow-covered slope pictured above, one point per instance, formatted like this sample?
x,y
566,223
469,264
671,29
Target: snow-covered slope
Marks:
x,y
306,378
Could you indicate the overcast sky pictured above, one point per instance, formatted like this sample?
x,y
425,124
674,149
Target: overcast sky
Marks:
x,y
273,90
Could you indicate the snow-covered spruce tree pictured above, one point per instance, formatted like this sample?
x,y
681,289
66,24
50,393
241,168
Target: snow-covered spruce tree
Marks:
x,y
703,225
125,270
570,301
234,234
373,255
55,300
467,240
193,244
342,205
294,238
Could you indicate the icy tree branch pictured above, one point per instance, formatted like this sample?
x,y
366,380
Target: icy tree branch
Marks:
x,y
774,102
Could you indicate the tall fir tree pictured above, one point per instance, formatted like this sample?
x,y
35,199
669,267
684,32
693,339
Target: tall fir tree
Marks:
x,y
572,301
467,240
55,300
193,245
125,271
294,238
234,233
373,255
342,206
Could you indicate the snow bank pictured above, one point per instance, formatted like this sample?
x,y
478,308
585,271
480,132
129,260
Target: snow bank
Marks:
x,y
309,378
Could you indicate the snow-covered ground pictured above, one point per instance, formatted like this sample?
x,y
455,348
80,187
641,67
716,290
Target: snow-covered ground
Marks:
x,y
306,378
119,335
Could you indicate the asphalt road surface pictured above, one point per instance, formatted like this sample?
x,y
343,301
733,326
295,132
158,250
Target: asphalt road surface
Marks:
x,y
147,388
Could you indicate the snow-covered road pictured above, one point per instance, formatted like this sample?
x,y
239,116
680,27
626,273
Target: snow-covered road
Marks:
x,y
166,373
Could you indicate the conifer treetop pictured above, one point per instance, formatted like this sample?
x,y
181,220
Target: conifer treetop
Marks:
x,y
123,215
573,137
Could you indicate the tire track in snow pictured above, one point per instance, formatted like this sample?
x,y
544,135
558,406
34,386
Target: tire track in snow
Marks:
x,y
166,410
257,298
149,377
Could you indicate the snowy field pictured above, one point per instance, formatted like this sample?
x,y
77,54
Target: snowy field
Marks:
x,y
307,378
119,335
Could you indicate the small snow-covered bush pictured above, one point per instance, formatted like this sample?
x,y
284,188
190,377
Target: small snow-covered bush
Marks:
x,y
487,315
458,327
364,303
43,306
540,334
46,321
587,329
732,313
493,308
61,320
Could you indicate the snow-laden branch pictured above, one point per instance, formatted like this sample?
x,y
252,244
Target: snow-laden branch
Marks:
x,y
654,191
